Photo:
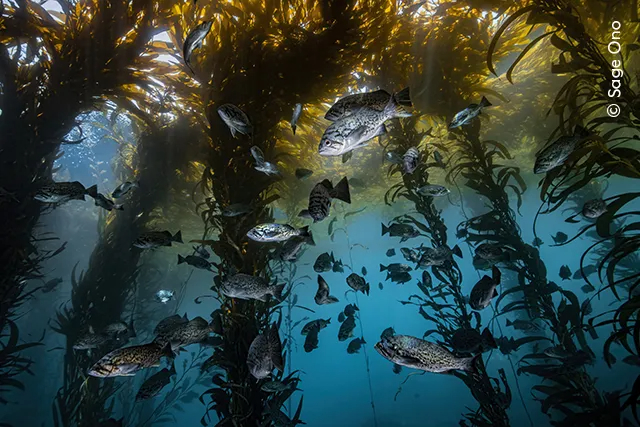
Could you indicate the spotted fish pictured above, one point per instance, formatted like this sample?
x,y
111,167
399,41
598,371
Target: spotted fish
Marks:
x,y
128,361
322,295
265,354
245,286
559,151
156,239
419,354
235,119
194,40
321,196
270,232
61,192
472,111
375,100
155,383
593,209
485,290
410,160
195,331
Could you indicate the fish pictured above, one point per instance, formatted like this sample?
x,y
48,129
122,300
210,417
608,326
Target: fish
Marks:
x,y
297,111
419,354
156,239
380,286
265,354
560,238
101,201
318,324
350,310
195,261
155,383
194,40
389,332
565,272
587,288
311,341
594,209
275,386
324,262
438,256
302,173
353,131
405,231
469,340
180,335
235,119
164,296
169,323
338,267
262,165
398,277
433,190
410,254
397,368
427,281
585,272
439,159
357,283
127,361
321,196
51,285
522,325
472,111
247,287
322,295
489,251
347,156
270,232
558,152
364,271
236,209
61,192
537,242
355,345
410,160
91,340
202,252
396,268
124,188
393,157
120,328
341,317
391,252
485,290
375,100
346,328
291,249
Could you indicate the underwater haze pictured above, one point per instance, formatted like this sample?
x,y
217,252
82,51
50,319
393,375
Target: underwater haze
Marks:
x,y
378,213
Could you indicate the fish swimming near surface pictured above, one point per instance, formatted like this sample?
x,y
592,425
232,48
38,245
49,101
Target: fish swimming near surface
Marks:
x,y
594,209
195,261
156,239
51,285
485,290
322,295
558,152
375,100
565,272
302,173
472,111
357,283
262,165
346,328
124,188
128,361
410,160
319,324
164,296
433,190
235,119
270,232
419,354
355,345
155,383
265,354
247,287
321,196
61,192
405,231
353,131
194,40
297,111
560,238
236,209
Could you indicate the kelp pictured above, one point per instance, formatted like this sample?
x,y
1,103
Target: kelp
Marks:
x,y
452,313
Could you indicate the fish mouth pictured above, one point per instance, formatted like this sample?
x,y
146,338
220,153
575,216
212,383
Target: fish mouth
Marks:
x,y
385,350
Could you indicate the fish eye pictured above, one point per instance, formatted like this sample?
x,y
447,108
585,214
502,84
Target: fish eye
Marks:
x,y
327,143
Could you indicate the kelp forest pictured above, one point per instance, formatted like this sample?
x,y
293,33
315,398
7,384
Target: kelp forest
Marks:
x,y
192,192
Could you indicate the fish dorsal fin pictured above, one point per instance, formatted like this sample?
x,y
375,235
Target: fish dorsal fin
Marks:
x,y
495,293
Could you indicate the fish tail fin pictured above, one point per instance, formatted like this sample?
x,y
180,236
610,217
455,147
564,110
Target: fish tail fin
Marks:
x,y
488,338
367,288
305,232
276,348
341,191
393,109
277,291
385,229
404,97
293,128
484,102
177,237
181,259
497,275
457,251
469,364
382,267
93,191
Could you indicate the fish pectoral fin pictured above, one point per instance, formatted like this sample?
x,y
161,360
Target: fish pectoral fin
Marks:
x,y
356,135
